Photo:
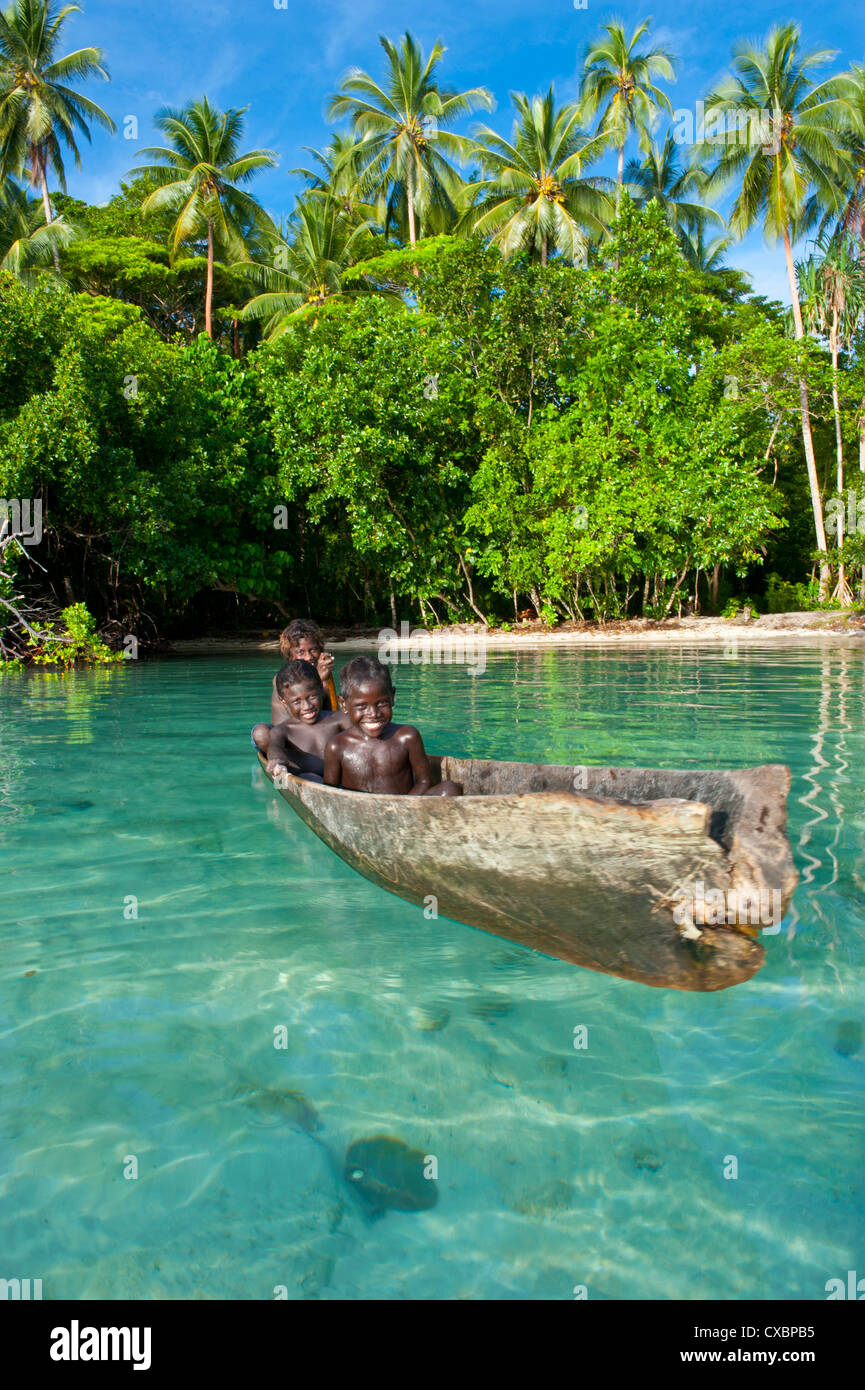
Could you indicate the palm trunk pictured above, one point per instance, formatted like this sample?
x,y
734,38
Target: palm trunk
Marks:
x,y
842,591
208,293
412,233
39,170
620,177
544,251
805,410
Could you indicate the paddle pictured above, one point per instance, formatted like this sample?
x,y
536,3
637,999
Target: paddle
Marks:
x,y
331,694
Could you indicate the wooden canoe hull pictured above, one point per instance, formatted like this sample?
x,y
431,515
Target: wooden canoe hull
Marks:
x,y
590,875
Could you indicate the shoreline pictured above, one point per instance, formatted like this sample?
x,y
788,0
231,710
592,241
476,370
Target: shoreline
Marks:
x,y
809,629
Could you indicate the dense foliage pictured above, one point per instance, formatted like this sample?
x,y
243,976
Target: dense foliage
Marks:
x,y
570,437
466,376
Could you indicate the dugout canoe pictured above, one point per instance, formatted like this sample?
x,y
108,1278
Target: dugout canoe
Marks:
x,y
599,866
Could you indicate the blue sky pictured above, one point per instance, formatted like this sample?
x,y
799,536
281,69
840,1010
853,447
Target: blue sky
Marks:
x,y
284,62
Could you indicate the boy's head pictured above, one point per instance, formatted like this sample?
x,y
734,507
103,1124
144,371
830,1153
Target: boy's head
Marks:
x,y
367,694
301,641
300,690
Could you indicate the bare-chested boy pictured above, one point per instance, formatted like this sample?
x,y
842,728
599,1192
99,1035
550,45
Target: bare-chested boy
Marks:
x,y
300,641
297,743
373,754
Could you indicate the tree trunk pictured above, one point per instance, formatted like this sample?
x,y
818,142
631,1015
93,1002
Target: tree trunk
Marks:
x,y
805,410
412,233
620,176
39,165
842,591
472,603
716,577
208,293
544,251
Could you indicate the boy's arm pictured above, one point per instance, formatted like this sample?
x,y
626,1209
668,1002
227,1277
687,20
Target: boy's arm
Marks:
x,y
333,762
277,708
281,752
420,764
324,666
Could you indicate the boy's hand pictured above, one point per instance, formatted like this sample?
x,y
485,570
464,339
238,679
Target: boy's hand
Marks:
x,y
324,666
275,769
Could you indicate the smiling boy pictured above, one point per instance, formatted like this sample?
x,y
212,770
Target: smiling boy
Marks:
x,y
373,754
297,743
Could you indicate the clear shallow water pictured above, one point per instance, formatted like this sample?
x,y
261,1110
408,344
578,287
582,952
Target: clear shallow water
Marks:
x,y
152,1037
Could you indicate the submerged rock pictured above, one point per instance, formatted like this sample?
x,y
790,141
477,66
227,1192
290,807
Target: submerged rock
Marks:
x,y
849,1037
648,1160
388,1175
276,1106
429,1020
489,1009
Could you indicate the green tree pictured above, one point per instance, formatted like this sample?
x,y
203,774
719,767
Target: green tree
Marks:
x,y
153,459
787,162
535,196
618,86
339,178
39,113
200,184
372,422
27,243
305,269
659,175
631,471
407,147
830,285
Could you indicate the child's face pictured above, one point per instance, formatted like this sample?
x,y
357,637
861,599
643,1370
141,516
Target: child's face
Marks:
x,y
303,702
369,706
307,649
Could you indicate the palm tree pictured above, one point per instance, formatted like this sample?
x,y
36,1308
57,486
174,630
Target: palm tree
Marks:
x,y
406,150
535,196
39,113
306,269
340,176
830,287
853,216
27,242
201,181
788,161
659,176
708,256
853,213
618,83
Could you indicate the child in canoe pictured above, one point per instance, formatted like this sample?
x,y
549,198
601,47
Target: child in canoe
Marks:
x,y
373,754
298,741
300,641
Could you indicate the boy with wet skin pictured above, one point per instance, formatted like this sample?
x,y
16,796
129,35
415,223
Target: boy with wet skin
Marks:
x,y
373,754
300,641
297,743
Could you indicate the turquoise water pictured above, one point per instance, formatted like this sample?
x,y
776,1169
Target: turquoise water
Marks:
x,y
148,1040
